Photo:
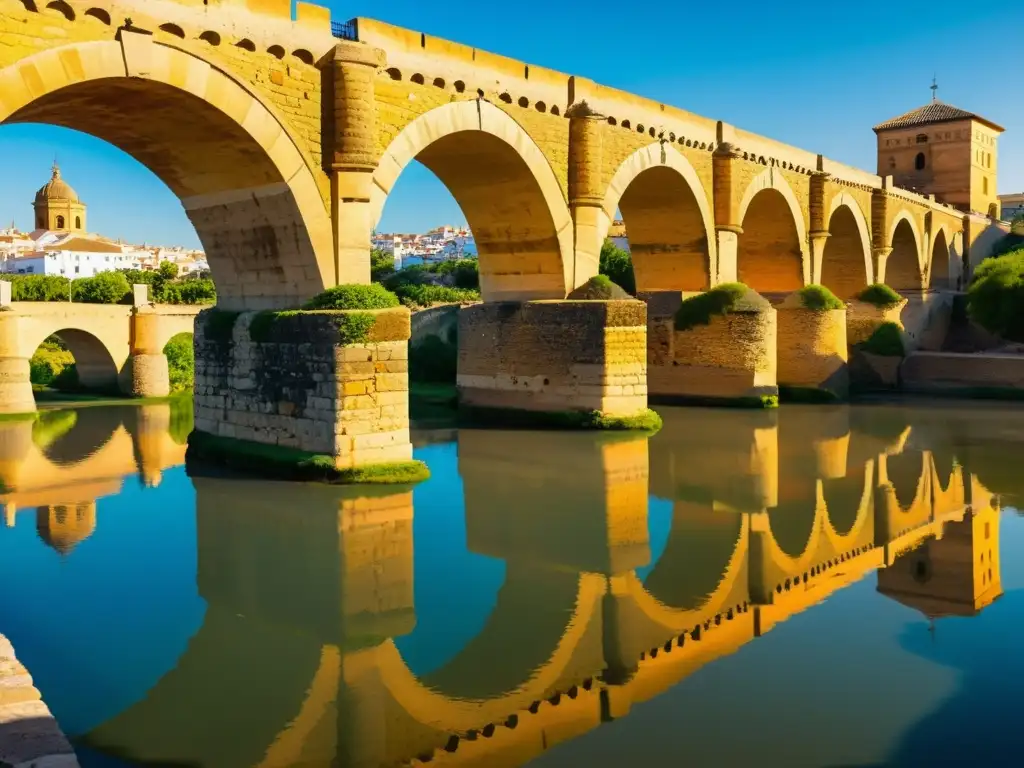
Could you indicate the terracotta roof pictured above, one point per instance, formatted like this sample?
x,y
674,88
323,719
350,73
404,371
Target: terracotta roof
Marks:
x,y
933,112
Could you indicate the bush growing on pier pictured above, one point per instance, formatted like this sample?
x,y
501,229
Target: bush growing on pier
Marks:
x,y
818,297
373,296
995,297
700,309
382,264
615,263
879,295
886,341
599,288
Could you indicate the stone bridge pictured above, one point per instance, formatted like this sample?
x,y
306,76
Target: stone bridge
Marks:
x,y
585,624
116,347
301,127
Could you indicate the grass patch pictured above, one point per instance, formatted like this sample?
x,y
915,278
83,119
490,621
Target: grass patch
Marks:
x,y
811,395
720,300
372,296
30,416
294,464
515,418
880,295
886,341
819,298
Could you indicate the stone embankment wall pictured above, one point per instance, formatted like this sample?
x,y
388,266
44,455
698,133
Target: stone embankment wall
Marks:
x,y
555,356
29,734
812,349
291,379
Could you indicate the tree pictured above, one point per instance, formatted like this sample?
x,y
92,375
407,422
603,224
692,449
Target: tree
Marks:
x,y
617,265
104,288
995,298
382,264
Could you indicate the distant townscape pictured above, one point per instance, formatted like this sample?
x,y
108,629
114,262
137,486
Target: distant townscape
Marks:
x,y
60,244
438,244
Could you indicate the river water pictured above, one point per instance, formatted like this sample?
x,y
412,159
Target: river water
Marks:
x,y
819,586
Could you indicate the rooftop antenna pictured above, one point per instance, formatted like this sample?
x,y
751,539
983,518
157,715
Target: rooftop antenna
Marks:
x,y
935,88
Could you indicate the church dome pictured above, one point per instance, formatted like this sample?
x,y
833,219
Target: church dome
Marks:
x,y
56,189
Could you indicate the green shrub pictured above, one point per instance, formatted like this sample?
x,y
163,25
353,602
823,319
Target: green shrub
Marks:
x,y
995,297
818,297
433,360
373,296
104,288
51,426
48,362
699,309
1008,243
425,295
616,263
887,341
188,291
67,379
182,420
382,264
181,364
465,273
598,288
38,287
880,295
219,324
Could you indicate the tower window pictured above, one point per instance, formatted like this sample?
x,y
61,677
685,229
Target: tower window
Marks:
x,y
892,163
78,222
922,138
60,222
919,161
984,185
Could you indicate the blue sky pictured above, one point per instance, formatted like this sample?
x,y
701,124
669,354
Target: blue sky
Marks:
x,y
814,75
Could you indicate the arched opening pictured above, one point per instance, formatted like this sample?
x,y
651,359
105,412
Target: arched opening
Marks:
x,y
72,360
502,184
906,472
60,222
941,275
666,231
843,498
843,263
902,268
78,222
792,525
769,258
919,161
267,246
181,366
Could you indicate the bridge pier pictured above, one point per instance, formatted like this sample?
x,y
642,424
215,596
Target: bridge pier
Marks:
x,y
146,373
15,372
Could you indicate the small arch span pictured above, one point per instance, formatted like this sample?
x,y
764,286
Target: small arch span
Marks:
x,y
460,87
524,102
417,78
62,8
394,73
439,82
772,257
245,44
211,37
173,29
304,56
903,265
276,51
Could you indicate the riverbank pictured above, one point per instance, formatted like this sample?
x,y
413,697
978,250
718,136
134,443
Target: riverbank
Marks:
x,y
29,734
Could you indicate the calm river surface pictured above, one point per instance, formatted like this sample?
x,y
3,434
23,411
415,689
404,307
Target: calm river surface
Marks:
x,y
821,586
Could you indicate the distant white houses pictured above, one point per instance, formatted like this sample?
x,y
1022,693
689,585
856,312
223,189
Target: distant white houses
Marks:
x,y
68,254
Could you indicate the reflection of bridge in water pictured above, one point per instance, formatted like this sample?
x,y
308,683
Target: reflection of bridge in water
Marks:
x,y
296,661
61,464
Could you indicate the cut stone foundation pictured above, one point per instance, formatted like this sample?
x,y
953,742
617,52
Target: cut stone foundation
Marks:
x,y
325,383
729,361
812,351
555,358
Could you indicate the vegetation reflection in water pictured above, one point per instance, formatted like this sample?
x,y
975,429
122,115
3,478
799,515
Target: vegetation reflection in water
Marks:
x,y
544,596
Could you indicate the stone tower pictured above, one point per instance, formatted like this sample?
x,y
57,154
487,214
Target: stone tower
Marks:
x,y
64,526
942,150
57,206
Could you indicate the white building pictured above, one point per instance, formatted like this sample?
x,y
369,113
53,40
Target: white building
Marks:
x,y
68,254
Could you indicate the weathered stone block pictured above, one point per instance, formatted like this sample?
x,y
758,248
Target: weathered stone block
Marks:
x,y
812,350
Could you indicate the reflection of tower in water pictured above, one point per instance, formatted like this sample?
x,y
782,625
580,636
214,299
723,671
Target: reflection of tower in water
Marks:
x,y
64,526
955,574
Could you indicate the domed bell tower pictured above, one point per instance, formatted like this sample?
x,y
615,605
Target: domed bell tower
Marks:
x,y
57,206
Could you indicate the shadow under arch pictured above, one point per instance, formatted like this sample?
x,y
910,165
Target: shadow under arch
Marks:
x,y
846,259
941,273
793,524
903,265
94,363
907,473
505,186
92,430
244,182
667,217
772,255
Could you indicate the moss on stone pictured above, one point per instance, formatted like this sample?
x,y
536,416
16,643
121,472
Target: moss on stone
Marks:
x,y
598,288
515,418
886,341
707,401
720,300
880,295
818,298
372,296
295,464
352,327
810,395
219,324
29,416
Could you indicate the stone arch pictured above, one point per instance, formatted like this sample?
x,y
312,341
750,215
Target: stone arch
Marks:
x,y
244,182
940,269
846,261
98,365
903,265
772,252
506,188
668,220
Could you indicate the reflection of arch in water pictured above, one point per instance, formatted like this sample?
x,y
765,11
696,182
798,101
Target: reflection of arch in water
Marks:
x,y
849,509
907,473
903,501
947,485
92,431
